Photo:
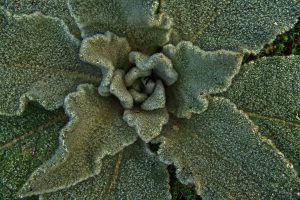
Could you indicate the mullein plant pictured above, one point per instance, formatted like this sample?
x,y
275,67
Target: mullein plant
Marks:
x,y
134,73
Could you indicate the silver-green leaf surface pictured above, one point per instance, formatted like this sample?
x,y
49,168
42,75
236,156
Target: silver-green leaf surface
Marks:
x,y
148,124
231,25
96,129
199,73
25,143
39,62
268,90
221,152
54,8
108,52
138,20
133,173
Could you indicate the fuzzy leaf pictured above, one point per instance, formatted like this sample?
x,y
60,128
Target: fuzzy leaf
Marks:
x,y
96,129
134,173
231,25
137,20
25,142
268,90
148,124
39,61
199,73
3,18
221,152
54,8
108,52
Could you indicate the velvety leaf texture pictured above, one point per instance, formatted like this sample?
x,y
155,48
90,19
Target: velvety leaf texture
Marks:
x,y
148,124
99,99
232,25
222,153
55,8
25,143
133,173
268,90
108,52
200,73
96,129
137,20
39,65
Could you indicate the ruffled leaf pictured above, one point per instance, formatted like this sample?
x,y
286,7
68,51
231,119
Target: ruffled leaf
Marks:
x,y
108,52
199,73
54,8
134,173
231,25
148,124
39,61
138,20
25,142
221,152
268,90
96,129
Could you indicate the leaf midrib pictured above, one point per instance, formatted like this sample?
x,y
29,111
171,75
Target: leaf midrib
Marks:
x,y
65,72
278,120
33,131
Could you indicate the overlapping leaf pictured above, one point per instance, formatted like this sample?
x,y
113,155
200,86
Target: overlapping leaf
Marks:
x,y
134,173
96,129
268,90
231,25
25,143
108,52
39,61
219,150
222,153
54,8
148,124
199,73
137,20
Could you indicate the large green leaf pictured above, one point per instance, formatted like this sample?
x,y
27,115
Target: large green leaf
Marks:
x,y
137,20
96,129
134,173
221,152
54,8
200,73
268,90
39,61
231,25
25,142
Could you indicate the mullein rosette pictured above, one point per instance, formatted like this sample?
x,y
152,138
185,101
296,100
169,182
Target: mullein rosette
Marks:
x,y
157,72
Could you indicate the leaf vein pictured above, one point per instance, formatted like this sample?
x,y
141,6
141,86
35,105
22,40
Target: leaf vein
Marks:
x,y
115,174
66,72
33,131
258,116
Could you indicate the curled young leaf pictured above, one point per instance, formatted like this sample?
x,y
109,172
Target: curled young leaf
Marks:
x,y
221,152
96,129
108,52
39,61
158,62
199,73
134,173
